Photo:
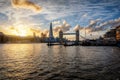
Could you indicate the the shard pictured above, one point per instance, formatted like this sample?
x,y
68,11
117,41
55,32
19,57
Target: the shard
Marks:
x,y
51,32
51,37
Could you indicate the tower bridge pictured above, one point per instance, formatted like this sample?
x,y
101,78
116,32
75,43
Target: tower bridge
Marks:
x,y
69,33
61,34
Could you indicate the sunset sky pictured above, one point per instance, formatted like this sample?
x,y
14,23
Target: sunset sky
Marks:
x,y
27,16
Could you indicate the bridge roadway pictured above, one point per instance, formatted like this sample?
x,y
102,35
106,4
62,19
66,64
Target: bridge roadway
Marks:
x,y
69,33
73,34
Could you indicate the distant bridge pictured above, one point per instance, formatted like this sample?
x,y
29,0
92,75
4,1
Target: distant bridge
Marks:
x,y
73,34
61,34
69,33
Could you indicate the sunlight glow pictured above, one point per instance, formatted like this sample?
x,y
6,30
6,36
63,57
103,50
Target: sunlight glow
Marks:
x,y
20,30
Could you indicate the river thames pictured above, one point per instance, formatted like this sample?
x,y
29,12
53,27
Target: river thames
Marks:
x,y
40,62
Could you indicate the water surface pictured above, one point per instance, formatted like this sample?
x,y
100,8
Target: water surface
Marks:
x,y
40,62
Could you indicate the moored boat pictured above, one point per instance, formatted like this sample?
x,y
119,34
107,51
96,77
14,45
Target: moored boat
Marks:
x,y
118,43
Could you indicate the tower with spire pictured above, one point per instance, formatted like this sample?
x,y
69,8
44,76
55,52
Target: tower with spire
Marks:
x,y
51,37
51,31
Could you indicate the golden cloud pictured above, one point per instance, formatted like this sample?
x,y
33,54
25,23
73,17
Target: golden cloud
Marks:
x,y
26,4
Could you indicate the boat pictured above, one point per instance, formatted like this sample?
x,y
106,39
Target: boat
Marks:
x,y
68,44
53,44
118,44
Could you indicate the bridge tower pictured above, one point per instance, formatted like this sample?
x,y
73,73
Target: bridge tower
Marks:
x,y
77,36
61,36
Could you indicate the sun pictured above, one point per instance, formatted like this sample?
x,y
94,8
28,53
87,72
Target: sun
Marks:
x,y
20,30
22,33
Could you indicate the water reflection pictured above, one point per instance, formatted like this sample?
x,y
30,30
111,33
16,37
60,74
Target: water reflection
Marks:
x,y
17,60
40,62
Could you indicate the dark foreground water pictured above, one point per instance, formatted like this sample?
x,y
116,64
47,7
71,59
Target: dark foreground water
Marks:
x,y
40,62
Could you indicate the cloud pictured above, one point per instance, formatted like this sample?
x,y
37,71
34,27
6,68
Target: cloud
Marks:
x,y
92,25
64,27
26,4
71,10
56,22
46,32
111,23
103,26
35,30
3,18
77,27
85,15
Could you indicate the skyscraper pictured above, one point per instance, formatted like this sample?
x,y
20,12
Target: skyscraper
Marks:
x,y
51,37
51,32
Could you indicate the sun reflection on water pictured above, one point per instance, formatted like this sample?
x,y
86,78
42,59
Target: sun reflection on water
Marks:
x,y
18,60
40,62
19,51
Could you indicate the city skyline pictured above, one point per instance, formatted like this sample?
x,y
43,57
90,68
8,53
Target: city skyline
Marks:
x,y
28,16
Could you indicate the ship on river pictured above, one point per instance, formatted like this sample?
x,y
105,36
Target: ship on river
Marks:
x,y
118,36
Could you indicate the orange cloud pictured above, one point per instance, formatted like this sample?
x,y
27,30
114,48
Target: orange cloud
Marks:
x,y
26,4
